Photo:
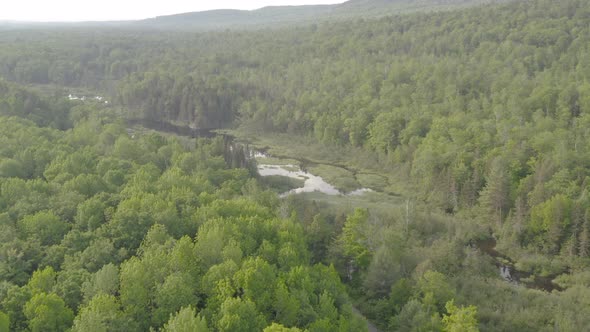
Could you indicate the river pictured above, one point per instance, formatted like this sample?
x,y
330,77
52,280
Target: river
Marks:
x,y
242,152
311,182
508,271
99,99
315,183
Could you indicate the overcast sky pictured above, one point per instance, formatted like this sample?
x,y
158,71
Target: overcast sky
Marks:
x,y
101,10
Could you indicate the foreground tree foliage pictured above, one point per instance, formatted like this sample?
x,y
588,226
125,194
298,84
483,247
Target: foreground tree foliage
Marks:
x,y
460,319
48,312
172,244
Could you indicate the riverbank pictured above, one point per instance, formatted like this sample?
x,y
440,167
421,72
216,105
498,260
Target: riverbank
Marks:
x,y
346,168
350,168
393,209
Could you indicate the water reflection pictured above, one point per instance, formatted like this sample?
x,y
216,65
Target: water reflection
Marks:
x,y
509,273
84,98
505,274
312,183
238,154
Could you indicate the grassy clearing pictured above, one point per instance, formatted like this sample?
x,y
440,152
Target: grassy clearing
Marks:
x,y
287,145
374,181
380,175
279,162
373,201
340,178
281,184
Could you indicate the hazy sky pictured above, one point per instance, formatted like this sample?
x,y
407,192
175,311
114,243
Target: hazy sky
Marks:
x,y
100,10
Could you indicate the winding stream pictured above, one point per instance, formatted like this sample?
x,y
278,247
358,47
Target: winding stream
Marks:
x,y
315,183
84,98
509,273
312,183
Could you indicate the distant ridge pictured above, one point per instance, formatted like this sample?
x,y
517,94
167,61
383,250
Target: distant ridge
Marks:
x,y
228,18
267,17
286,15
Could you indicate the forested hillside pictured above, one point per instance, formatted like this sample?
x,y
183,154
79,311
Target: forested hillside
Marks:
x,y
266,17
106,231
482,113
281,16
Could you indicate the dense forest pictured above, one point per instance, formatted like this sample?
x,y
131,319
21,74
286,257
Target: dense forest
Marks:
x,y
107,231
483,113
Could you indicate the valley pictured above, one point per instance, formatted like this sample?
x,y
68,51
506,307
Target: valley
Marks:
x,y
422,164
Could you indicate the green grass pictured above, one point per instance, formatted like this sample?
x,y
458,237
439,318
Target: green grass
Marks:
x,y
281,184
371,180
290,146
372,172
373,201
340,178
279,162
